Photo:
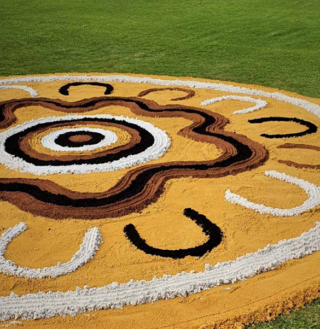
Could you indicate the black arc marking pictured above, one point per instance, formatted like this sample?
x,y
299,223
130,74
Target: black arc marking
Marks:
x,y
312,128
209,229
64,90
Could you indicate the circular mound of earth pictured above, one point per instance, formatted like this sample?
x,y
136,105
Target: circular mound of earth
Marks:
x,y
218,231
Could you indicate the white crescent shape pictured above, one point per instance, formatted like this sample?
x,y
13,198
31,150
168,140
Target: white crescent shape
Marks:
x,y
88,248
311,190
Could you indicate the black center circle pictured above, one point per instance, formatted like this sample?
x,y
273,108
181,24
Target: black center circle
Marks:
x,y
69,139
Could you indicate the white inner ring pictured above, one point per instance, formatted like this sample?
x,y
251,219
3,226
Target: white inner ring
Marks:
x,y
49,141
157,149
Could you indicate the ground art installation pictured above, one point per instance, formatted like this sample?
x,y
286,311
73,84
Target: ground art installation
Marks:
x,y
149,202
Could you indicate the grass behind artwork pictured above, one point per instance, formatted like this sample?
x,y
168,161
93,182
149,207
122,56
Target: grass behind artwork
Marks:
x,y
274,43
266,42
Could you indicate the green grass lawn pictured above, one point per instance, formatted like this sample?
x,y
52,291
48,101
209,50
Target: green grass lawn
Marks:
x,y
267,42
274,43
306,318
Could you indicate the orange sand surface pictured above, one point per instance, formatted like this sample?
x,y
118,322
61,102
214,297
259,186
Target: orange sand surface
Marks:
x,y
163,225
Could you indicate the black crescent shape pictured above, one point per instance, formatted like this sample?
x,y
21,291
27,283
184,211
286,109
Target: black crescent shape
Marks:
x,y
64,90
211,230
312,128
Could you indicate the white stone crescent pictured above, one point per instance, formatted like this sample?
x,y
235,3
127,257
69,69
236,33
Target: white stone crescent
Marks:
x,y
311,190
259,103
115,295
88,248
31,91
49,141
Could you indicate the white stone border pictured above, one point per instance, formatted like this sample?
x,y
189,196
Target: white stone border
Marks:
x,y
160,146
48,141
47,305
88,248
260,104
308,106
311,190
31,91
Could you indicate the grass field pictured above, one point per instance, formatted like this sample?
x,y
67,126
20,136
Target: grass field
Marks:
x,y
266,42
306,318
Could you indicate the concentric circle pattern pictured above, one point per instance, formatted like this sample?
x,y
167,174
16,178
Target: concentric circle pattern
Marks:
x,y
142,202
60,140
154,142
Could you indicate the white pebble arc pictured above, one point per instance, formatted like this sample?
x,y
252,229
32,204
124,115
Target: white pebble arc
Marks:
x,y
88,248
311,190
46,305
31,91
260,104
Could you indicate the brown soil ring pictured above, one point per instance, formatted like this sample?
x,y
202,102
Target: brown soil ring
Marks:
x,y
299,146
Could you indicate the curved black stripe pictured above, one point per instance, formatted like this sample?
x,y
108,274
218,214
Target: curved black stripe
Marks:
x,y
212,231
65,141
12,144
312,128
136,186
64,90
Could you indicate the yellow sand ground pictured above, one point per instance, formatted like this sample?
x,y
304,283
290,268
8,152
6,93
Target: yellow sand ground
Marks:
x,y
163,225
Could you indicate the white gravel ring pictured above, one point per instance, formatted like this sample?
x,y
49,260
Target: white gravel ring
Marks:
x,y
49,141
157,149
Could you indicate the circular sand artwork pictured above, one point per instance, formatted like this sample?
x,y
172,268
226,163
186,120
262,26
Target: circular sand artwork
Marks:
x,y
152,202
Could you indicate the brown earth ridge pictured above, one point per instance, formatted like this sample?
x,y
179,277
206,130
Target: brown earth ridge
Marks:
x,y
141,186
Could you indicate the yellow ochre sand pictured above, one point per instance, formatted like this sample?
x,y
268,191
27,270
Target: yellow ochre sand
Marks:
x,y
163,225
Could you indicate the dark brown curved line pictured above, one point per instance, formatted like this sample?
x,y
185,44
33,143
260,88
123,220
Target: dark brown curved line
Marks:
x,y
190,93
299,146
7,108
205,127
25,147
